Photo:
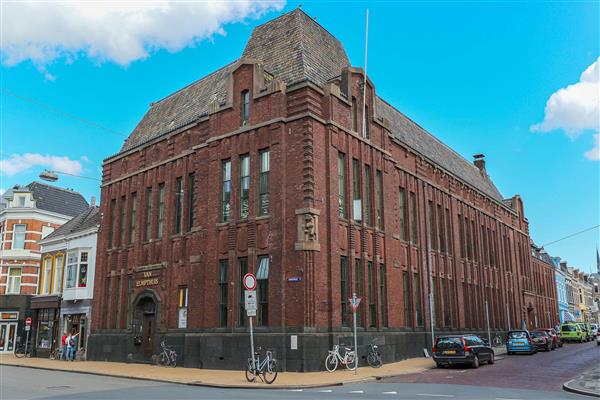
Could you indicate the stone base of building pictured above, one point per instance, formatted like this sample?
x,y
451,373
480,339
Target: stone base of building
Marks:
x,y
295,352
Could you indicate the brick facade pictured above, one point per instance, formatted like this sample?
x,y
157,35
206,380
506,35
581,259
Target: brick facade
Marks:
x,y
478,248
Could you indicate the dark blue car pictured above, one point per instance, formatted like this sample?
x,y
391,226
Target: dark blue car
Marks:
x,y
519,341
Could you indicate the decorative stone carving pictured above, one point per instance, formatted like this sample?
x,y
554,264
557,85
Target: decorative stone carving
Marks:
x,y
308,229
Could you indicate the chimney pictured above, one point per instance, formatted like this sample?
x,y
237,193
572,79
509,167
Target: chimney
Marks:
x,y
479,161
93,201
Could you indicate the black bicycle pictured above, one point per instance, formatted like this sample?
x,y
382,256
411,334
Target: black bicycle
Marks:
x,y
168,357
21,351
374,357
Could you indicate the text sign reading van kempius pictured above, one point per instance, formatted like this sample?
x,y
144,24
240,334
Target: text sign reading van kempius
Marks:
x,y
148,280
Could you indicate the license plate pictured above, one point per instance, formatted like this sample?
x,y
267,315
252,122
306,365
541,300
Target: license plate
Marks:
x,y
450,352
518,344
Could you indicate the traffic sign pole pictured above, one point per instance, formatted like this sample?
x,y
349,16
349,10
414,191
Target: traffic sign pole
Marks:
x,y
354,307
249,281
27,328
252,348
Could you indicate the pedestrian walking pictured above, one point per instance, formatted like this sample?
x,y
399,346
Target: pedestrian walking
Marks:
x,y
63,346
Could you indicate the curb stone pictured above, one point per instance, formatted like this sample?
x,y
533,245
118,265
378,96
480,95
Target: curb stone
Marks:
x,y
568,388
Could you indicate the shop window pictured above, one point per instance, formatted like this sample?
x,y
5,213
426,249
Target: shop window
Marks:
x,y
19,236
46,320
14,281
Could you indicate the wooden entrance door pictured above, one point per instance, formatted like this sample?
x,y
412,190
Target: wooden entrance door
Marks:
x,y
148,335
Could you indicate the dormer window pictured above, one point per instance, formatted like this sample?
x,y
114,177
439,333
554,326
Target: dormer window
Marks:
x,y
21,201
245,107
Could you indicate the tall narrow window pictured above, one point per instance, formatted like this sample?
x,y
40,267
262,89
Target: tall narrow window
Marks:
x,y
417,299
368,197
448,219
367,133
344,289
342,185
402,207
383,295
413,218
83,269
406,300
356,192
113,223
371,294
161,210
358,288
148,213
431,224
122,221
178,204
263,184
262,282
245,106
223,293
46,276
354,115
183,307
244,186
440,228
242,270
19,236
59,261
118,306
379,199
133,219
14,281
191,186
226,190
72,265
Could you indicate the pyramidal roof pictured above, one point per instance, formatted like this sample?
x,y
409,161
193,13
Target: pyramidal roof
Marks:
x,y
295,48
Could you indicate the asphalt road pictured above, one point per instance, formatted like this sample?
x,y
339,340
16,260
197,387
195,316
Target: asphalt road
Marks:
x,y
519,377
542,371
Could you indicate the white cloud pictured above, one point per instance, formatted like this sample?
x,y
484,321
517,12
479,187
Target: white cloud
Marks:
x,y
18,163
120,32
594,153
576,108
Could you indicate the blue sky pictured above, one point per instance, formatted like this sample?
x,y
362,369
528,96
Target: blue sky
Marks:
x,y
477,75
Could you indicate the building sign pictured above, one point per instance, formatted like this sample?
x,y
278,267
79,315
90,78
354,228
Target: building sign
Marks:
x,y
9,315
148,279
182,318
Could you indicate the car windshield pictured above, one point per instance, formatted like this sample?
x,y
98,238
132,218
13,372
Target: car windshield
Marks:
x,y
568,328
538,334
449,343
517,335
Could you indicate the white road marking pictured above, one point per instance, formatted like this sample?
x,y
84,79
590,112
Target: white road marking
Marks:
x,y
295,390
356,391
389,392
325,391
504,398
435,395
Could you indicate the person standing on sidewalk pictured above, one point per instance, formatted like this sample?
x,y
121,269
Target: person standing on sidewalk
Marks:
x,y
73,345
63,346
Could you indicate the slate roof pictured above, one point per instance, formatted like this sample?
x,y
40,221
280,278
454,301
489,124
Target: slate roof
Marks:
x,y
295,48
89,218
57,200
417,138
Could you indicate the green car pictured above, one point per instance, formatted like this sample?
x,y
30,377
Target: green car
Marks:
x,y
586,327
572,332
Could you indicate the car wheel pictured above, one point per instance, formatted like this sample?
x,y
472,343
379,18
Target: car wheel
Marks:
x,y
475,363
440,365
491,360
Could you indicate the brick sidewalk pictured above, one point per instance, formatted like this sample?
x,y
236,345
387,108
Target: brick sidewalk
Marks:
x,y
221,378
587,383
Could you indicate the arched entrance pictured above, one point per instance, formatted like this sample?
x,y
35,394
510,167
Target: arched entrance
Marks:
x,y
145,320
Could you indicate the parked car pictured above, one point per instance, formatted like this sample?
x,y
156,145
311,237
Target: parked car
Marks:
x,y
556,342
542,340
571,332
595,330
587,330
598,338
519,341
462,349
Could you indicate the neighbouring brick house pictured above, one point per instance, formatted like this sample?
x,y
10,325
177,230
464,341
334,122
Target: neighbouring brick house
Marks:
x,y
27,214
264,166
539,291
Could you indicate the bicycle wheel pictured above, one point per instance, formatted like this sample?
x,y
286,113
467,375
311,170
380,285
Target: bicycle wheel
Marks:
x,y
331,362
374,360
270,373
250,372
174,360
351,360
20,352
163,359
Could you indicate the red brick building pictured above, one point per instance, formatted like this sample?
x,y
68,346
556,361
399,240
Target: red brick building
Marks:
x,y
264,166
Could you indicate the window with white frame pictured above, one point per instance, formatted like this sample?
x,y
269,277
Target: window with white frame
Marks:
x,y
72,259
58,273
77,269
14,281
46,276
19,236
83,269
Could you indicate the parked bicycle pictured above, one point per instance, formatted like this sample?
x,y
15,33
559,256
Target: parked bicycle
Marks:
x,y
374,357
266,369
168,357
334,358
20,350
497,341
55,354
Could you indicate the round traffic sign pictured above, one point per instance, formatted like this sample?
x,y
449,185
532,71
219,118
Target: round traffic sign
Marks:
x,y
249,281
28,321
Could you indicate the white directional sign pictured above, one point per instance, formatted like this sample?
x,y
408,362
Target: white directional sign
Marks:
x,y
250,302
